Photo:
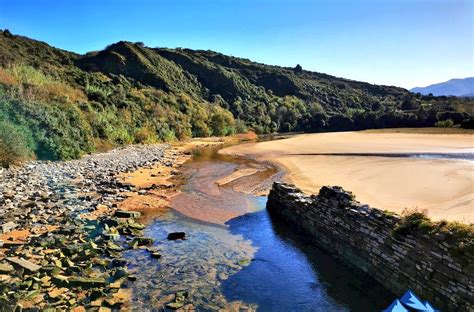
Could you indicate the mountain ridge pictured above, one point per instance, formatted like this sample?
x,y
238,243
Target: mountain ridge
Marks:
x,y
454,87
63,104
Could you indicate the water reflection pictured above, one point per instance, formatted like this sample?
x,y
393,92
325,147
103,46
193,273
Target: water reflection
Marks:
x,y
250,262
197,265
288,273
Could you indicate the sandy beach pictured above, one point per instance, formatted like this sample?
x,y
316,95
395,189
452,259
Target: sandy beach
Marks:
x,y
444,187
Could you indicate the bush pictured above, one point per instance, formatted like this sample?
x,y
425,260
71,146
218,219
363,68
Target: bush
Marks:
x,y
31,83
444,123
222,122
459,237
144,135
13,145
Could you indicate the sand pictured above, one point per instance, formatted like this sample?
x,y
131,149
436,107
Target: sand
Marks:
x,y
444,187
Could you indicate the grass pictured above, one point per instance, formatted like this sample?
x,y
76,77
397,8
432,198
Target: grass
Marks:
x,y
33,84
458,236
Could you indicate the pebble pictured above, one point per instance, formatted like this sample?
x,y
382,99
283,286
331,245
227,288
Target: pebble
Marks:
x,y
79,256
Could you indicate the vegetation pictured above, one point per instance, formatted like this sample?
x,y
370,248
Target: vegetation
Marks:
x,y
457,235
13,144
68,104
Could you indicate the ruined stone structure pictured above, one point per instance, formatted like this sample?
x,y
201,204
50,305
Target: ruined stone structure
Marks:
x,y
363,237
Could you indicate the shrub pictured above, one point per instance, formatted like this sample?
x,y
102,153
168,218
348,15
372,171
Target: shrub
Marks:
x,y
13,144
222,122
144,135
444,123
33,84
459,237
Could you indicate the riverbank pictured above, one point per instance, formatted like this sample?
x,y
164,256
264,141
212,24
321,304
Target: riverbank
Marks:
x,y
62,231
99,204
441,186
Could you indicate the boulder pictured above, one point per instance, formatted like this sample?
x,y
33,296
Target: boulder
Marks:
x,y
127,214
176,235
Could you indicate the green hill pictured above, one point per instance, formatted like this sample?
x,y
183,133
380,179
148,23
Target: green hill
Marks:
x,y
57,104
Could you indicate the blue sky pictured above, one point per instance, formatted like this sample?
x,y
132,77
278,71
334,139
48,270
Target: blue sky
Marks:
x,y
406,43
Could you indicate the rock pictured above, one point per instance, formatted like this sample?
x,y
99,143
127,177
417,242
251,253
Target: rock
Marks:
x,y
88,282
155,255
44,195
8,244
243,262
141,241
111,236
9,194
127,214
113,247
6,268
175,305
136,226
223,276
7,227
30,266
176,235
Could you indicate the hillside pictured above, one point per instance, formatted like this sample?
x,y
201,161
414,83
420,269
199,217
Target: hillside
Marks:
x,y
455,87
56,104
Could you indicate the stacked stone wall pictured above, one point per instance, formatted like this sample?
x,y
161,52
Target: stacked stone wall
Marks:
x,y
363,237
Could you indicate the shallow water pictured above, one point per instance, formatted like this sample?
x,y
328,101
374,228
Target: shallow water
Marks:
x,y
456,156
252,261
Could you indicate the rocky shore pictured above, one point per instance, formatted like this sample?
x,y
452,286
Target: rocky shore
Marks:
x,y
61,233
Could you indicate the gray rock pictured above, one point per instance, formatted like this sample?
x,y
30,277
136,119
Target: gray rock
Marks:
x,y
30,266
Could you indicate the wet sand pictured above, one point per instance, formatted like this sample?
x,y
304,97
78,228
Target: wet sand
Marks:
x,y
216,187
208,188
444,187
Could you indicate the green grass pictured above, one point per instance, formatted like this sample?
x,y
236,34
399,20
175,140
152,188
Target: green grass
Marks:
x,y
458,236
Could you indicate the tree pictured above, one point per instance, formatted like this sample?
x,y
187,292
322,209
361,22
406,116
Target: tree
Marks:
x,y
298,69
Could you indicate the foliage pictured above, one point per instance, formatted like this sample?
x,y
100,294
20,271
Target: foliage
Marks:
x,y
128,93
444,123
458,236
13,144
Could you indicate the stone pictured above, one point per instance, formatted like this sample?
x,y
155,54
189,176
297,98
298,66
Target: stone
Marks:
x,y
156,255
6,268
127,214
176,235
175,305
30,266
9,194
141,241
88,282
7,227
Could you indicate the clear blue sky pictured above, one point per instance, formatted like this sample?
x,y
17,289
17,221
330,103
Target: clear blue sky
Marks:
x,y
406,42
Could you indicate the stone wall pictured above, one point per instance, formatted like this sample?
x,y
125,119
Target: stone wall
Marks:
x,y
363,237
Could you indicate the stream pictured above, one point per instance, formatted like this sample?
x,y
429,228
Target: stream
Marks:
x,y
235,256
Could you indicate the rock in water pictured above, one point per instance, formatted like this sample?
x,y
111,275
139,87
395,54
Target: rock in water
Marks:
x,y
127,214
176,235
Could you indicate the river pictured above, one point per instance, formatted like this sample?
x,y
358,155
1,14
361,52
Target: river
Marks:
x,y
235,256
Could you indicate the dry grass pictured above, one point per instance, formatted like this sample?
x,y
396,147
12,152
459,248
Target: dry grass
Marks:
x,y
32,84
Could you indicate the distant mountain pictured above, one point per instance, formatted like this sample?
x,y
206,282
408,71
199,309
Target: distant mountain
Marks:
x,y
456,87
